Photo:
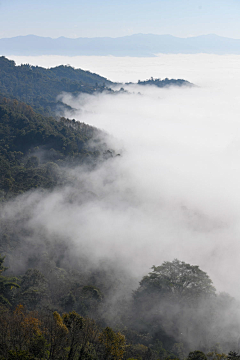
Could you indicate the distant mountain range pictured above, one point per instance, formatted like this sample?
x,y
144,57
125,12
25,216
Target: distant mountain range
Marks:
x,y
139,45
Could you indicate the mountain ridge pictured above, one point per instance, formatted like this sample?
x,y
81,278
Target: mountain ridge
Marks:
x,y
139,45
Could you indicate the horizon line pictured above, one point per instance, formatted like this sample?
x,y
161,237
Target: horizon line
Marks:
x,y
118,37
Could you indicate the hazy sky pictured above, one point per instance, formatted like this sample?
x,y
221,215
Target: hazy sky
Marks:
x,y
92,18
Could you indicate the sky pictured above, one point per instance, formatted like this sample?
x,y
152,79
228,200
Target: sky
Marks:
x,y
115,18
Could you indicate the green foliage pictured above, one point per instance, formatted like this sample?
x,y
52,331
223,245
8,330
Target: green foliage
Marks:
x,y
76,325
6,285
68,301
20,355
196,355
166,82
114,344
39,87
34,148
39,347
167,298
178,350
2,268
233,355
177,280
136,351
32,289
88,300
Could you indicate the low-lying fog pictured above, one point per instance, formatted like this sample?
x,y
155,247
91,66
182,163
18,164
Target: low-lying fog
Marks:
x,y
175,190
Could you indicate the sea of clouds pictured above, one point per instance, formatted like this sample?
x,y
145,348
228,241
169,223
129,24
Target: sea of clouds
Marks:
x,y
175,190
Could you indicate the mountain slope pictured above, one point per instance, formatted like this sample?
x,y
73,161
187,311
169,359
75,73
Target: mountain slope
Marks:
x,y
39,87
34,149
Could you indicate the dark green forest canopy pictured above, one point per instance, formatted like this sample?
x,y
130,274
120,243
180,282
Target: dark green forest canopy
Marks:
x,y
39,87
176,280
33,148
165,82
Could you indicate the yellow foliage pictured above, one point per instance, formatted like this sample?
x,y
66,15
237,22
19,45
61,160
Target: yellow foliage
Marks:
x,y
114,343
213,355
19,310
59,321
28,324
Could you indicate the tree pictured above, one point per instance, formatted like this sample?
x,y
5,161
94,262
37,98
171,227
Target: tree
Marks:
x,y
114,344
177,280
56,334
20,330
75,325
233,355
169,303
196,355
6,284
33,288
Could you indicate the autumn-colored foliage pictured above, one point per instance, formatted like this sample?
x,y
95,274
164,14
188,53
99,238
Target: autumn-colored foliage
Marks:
x,y
114,343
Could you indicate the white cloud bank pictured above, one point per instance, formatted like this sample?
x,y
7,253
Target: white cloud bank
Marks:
x,y
175,191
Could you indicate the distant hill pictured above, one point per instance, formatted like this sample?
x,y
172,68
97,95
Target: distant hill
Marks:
x,y
164,83
39,87
133,45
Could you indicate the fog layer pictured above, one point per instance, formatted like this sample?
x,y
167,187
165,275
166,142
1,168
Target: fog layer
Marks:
x,y
174,191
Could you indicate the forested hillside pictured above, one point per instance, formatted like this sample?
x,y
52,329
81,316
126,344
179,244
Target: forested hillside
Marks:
x,y
34,148
39,87
55,313
165,82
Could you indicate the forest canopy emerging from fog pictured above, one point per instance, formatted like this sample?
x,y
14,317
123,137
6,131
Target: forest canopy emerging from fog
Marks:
x,y
60,298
